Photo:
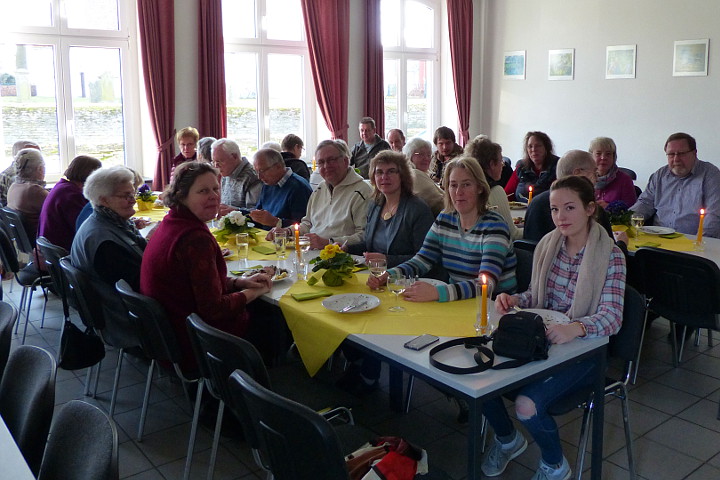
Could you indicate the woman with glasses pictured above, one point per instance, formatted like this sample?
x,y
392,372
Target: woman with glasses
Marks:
x,y
419,154
612,183
27,194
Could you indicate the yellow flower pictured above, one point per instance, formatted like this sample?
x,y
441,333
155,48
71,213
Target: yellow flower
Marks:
x,y
329,251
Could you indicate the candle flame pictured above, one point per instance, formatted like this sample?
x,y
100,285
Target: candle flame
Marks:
x,y
530,188
484,279
702,211
297,227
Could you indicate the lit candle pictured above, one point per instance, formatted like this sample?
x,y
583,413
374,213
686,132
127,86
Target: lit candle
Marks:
x,y
700,227
313,164
530,188
483,304
297,239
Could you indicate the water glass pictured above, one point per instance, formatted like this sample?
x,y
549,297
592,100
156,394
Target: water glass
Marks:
x,y
377,267
242,241
280,242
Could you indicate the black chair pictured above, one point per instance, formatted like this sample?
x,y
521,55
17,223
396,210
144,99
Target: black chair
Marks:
x,y
27,400
524,250
157,340
8,316
52,254
83,444
623,347
28,279
681,287
631,173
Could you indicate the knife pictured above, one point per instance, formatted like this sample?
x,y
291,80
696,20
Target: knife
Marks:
x,y
353,306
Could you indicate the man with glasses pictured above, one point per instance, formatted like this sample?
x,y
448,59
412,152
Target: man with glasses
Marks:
x,y
676,192
337,210
284,194
370,144
240,185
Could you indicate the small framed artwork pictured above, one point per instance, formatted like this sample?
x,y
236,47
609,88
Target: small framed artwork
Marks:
x,y
561,64
514,65
690,58
620,61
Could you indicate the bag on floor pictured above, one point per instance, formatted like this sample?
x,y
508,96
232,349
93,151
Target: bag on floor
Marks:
x,y
79,349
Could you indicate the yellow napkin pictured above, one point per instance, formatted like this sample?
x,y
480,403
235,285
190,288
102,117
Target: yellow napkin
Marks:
x,y
301,297
647,244
264,250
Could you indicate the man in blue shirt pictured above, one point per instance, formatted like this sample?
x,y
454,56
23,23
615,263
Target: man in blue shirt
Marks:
x,y
284,194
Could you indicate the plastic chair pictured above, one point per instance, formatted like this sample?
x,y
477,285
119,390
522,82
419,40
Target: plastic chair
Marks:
x,y
524,250
83,444
27,400
157,340
624,346
681,287
8,316
52,254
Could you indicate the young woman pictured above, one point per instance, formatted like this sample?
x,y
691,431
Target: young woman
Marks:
x,y
565,279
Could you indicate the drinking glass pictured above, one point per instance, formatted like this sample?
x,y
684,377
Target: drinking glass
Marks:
x,y
397,284
377,267
242,241
481,329
304,242
637,221
280,242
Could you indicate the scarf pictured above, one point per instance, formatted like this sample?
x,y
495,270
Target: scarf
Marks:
x,y
125,225
605,180
589,282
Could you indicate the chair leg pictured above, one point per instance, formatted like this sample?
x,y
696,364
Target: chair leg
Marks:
x,y
42,319
113,396
584,437
682,344
27,315
673,342
408,394
193,428
710,338
97,379
483,434
21,307
642,338
88,379
628,434
216,440
146,399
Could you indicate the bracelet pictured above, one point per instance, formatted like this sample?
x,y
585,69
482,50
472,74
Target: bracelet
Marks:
x,y
584,328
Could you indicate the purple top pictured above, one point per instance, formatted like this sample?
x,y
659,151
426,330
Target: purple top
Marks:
x,y
59,212
621,188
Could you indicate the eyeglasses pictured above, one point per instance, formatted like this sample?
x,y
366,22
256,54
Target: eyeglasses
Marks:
x,y
263,170
676,154
130,197
329,161
387,173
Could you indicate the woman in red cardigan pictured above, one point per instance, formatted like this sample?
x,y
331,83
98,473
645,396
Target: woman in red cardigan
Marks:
x,y
183,267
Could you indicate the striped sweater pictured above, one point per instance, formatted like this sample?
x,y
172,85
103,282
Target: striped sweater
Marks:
x,y
485,248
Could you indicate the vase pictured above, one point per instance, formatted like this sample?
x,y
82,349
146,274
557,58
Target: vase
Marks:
x,y
331,278
144,206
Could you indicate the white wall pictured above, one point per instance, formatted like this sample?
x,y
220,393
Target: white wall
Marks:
x,y
637,113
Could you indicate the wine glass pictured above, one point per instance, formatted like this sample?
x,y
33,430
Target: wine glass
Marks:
x,y
397,284
377,267
637,221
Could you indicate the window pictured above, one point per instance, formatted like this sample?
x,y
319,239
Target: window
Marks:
x,y
66,74
410,65
266,67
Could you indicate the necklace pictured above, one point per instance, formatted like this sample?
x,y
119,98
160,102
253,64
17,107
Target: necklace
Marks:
x,y
389,214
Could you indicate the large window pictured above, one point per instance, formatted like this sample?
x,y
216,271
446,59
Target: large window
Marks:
x,y
65,81
269,87
410,38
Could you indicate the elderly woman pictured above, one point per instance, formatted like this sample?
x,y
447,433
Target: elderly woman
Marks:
x,y
419,152
536,169
183,267
204,152
467,239
28,193
489,155
187,139
579,271
397,220
612,183
65,201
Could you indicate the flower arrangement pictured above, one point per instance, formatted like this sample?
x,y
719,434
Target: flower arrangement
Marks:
x,y
337,264
233,223
619,213
145,197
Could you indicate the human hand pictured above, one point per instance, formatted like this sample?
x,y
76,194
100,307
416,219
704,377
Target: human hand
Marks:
x,y
421,292
505,302
375,282
224,209
374,256
140,223
263,217
621,237
271,234
558,334
258,280
317,242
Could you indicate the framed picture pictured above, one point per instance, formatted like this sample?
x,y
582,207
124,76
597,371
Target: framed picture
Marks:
x,y
690,58
620,61
514,65
561,64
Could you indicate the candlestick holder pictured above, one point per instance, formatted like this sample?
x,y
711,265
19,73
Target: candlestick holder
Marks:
x,y
483,325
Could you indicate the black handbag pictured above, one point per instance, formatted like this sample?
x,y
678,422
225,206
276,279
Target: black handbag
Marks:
x,y
79,349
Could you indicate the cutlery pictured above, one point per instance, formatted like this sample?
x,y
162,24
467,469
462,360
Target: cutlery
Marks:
x,y
353,306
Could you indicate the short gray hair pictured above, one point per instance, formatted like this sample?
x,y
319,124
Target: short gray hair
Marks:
x,y
204,147
271,156
27,161
228,146
339,145
23,144
104,181
415,144
272,145
574,160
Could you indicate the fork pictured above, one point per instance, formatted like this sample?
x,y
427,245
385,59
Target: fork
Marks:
x,y
353,306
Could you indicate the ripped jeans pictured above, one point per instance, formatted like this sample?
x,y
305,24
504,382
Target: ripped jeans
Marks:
x,y
543,393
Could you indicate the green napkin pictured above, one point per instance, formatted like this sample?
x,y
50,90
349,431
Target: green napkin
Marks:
x,y
241,271
301,297
648,244
359,268
263,250
671,235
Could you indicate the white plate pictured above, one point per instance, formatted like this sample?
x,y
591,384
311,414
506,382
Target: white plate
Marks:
x,y
550,317
278,280
337,302
433,282
652,230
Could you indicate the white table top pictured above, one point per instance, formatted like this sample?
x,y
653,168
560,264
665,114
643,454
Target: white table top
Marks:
x,y
11,460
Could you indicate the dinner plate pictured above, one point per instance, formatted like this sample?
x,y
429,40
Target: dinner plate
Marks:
x,y
550,317
337,302
517,205
433,282
652,230
277,280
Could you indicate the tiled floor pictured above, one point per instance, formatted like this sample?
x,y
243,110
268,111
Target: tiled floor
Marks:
x,y
673,418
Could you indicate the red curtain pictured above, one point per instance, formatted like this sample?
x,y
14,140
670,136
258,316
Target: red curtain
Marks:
x,y
374,99
460,17
211,70
327,25
157,45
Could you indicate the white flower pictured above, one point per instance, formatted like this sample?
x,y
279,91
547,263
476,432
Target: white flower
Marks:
x,y
236,217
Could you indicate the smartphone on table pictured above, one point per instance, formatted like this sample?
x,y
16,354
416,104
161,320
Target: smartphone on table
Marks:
x,y
418,343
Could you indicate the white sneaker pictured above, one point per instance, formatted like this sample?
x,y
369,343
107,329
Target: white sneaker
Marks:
x,y
499,455
546,472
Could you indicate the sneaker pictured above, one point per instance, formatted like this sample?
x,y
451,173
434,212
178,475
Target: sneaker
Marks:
x,y
546,472
500,455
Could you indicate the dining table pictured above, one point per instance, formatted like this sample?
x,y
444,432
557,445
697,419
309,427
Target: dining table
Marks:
x,y
11,459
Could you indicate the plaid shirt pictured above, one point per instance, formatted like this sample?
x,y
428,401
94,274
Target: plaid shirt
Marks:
x,y
560,290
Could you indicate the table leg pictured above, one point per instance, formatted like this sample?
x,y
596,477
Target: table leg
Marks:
x,y
474,438
396,389
598,416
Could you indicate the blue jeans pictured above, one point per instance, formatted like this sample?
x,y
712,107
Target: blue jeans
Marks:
x,y
543,393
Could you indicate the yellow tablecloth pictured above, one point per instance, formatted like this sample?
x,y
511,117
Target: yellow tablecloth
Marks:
x,y
155,214
318,331
679,244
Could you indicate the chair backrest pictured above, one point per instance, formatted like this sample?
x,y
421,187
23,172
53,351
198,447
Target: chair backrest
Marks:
x,y
525,244
296,442
27,400
83,444
524,250
681,287
625,345
148,317
24,240
8,316
8,254
629,172
52,254
85,295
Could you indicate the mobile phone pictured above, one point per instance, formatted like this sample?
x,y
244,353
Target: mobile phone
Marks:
x,y
418,343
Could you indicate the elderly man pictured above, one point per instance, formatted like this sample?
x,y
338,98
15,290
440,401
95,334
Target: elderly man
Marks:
x,y
370,144
284,195
337,210
447,149
240,185
676,192
396,139
292,147
538,220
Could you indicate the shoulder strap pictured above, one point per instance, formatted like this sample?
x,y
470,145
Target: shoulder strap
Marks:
x,y
471,342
